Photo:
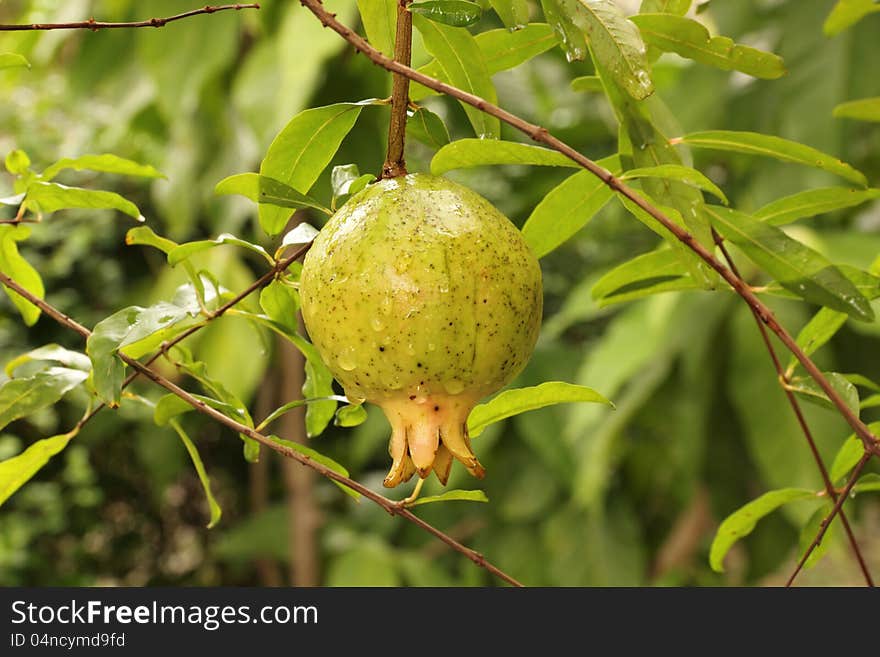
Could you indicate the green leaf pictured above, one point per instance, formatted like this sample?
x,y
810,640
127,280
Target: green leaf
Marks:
x,y
50,197
866,109
350,416
797,267
380,22
463,65
136,328
678,172
677,7
742,521
342,177
144,236
809,532
513,13
13,60
811,203
20,270
567,208
106,163
781,149
468,153
452,496
427,127
302,233
818,331
692,40
326,461
52,353
646,274
263,189
848,455
16,471
214,508
519,400
501,49
808,390
587,83
457,13
571,37
846,13
296,403
184,251
302,150
281,303
867,483
22,397
17,162
614,42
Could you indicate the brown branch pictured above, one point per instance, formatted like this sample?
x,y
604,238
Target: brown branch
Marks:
x,y
391,506
802,421
539,134
94,25
823,526
395,160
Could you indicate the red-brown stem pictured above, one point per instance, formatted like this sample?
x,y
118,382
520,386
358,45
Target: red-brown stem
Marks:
x,y
802,421
94,25
539,134
391,506
823,527
395,160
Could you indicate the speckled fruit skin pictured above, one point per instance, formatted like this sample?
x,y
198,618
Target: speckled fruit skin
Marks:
x,y
422,298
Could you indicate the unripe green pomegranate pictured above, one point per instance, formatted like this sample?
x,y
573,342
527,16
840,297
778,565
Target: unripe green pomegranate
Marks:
x,y
422,298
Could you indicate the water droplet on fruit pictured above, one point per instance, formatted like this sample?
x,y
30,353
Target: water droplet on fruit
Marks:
x,y
377,324
453,386
346,360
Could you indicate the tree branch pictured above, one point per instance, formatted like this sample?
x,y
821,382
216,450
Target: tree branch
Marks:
x,y
539,134
94,25
395,161
391,506
802,421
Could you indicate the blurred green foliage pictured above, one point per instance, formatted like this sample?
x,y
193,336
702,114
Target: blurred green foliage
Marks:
x,y
579,494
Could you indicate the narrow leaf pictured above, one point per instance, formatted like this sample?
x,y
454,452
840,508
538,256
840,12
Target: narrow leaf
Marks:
x,y
457,13
587,83
316,456
691,39
17,162
16,471
21,271
281,303
468,153
106,163
380,21
641,273
52,353
677,7
13,60
808,390
22,397
263,189
567,208
296,403
614,42
813,202
350,416
213,507
778,148
513,13
847,456
867,483
819,330
302,233
571,37
302,150
797,267
427,127
144,236
846,13
678,172
808,534
742,521
519,400
866,109
461,59
50,197
452,496
184,251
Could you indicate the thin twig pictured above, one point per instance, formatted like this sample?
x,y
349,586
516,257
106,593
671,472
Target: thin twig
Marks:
x,y
391,506
539,134
395,161
823,526
802,421
94,25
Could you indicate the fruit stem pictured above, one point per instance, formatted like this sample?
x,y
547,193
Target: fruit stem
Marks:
x,y
407,501
395,164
